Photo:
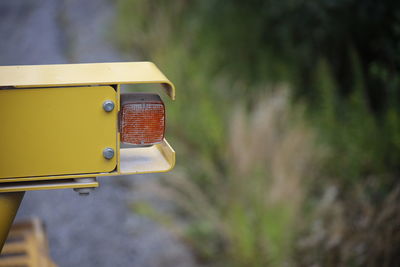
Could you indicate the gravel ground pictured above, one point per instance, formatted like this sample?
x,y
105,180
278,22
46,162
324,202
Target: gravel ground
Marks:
x,y
97,230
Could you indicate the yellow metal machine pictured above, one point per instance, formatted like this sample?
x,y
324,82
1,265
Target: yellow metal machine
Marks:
x,y
59,129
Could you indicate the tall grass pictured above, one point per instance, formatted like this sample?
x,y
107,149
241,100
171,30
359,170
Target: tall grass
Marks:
x,y
262,180
351,231
250,217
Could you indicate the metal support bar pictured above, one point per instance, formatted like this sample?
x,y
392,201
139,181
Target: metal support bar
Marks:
x,y
9,204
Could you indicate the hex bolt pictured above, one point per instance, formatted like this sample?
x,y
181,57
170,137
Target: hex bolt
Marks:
x,y
108,105
108,153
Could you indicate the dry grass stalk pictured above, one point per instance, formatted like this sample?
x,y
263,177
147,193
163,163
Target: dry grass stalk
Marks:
x,y
271,159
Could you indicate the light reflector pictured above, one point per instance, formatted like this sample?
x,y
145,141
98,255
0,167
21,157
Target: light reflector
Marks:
x,y
142,119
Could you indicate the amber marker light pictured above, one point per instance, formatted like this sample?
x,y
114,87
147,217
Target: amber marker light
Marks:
x,y
142,119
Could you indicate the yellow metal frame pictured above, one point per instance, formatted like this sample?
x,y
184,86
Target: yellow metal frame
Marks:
x,y
47,185
158,158
84,74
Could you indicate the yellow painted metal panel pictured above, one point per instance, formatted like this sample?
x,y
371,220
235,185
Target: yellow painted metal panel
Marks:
x,y
84,74
56,131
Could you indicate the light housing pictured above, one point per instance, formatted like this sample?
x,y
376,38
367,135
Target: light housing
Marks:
x,y
142,119
61,108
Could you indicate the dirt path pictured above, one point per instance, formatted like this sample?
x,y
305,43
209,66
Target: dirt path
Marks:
x,y
98,230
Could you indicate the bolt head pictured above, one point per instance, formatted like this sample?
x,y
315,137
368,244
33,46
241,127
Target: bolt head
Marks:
x,y
108,105
84,191
108,153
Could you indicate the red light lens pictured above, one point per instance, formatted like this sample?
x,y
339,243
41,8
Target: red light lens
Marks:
x,y
142,119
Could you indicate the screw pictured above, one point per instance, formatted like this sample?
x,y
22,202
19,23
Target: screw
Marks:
x,y
108,153
108,105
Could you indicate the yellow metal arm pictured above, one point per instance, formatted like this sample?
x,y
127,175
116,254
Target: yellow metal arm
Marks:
x,y
9,204
53,121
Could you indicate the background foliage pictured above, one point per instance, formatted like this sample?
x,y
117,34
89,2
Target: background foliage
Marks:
x,y
287,126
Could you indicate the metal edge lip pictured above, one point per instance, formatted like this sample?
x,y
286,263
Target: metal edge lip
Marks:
x,y
45,185
166,154
85,74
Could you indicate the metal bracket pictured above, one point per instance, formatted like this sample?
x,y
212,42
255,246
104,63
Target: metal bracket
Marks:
x,y
84,74
47,185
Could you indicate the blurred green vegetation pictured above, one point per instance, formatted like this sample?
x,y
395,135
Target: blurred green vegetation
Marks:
x,y
328,70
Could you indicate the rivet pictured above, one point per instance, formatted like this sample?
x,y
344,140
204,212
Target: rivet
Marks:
x,y
108,153
108,105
